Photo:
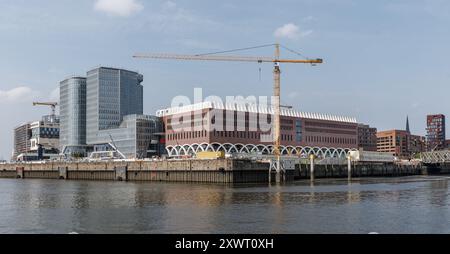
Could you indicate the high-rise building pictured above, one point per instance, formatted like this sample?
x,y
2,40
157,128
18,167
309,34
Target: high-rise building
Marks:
x,y
22,135
114,115
367,138
73,116
111,94
435,132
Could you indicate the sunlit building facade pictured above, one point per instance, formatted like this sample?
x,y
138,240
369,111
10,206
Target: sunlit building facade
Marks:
x,y
213,126
73,116
111,94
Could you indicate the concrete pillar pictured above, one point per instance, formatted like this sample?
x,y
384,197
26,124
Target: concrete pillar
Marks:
x,y
121,173
19,172
62,173
349,159
312,158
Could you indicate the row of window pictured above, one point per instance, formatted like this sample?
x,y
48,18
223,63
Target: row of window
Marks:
x,y
330,125
331,131
333,140
223,134
187,135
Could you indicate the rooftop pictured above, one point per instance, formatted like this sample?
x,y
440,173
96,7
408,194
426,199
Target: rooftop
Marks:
x,y
253,109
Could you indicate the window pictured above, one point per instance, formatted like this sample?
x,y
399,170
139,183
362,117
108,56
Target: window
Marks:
x,y
298,130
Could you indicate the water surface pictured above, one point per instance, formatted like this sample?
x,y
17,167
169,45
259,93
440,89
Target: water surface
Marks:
x,y
383,205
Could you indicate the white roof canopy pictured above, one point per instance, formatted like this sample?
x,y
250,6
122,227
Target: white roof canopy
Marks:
x,y
254,108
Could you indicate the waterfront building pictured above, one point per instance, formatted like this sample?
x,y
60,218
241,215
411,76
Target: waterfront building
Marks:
x,y
73,116
400,143
22,135
239,129
367,138
435,132
45,133
111,94
37,140
418,145
114,115
138,136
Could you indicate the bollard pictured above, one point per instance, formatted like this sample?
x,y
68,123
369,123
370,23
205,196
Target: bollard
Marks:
x,y
312,157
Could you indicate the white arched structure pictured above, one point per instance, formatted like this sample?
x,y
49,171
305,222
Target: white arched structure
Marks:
x,y
193,149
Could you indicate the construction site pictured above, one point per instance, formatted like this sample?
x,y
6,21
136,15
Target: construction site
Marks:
x,y
98,141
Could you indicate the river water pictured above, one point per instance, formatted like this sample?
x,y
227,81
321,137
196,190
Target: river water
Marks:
x,y
383,205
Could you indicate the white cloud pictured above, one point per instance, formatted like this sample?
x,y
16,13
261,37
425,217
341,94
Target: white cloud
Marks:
x,y
123,8
291,31
22,93
169,5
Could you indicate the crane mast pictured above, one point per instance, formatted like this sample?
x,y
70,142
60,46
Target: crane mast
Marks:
x,y
277,102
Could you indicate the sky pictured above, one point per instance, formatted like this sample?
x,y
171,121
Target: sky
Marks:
x,y
384,59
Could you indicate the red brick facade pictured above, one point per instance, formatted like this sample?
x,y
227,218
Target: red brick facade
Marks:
x,y
248,128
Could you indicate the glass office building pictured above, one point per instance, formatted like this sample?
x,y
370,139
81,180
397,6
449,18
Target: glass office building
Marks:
x,y
111,94
73,115
114,114
137,137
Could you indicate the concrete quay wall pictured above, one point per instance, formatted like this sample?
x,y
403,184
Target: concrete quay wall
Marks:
x,y
202,171
208,171
303,171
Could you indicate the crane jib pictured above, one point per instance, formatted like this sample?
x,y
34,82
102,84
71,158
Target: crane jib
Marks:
x,y
228,58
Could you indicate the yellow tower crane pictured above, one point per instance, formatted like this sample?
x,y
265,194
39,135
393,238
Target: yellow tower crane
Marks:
x,y
51,104
276,60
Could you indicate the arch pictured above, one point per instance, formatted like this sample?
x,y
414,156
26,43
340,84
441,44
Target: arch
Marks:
x,y
172,151
300,151
252,148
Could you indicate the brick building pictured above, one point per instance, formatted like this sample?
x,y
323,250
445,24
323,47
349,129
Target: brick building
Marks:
x,y
436,132
208,124
400,143
367,138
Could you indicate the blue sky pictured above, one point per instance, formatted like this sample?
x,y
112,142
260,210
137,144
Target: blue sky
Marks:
x,y
383,59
